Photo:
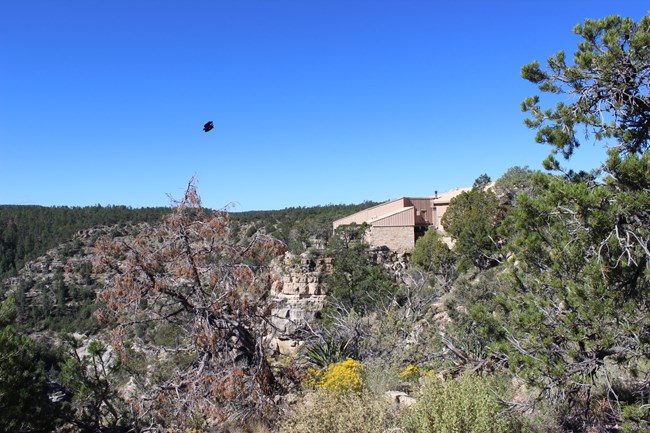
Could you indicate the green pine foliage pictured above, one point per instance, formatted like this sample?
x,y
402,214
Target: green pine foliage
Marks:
x,y
357,283
432,254
90,378
24,402
568,308
575,300
473,219
609,77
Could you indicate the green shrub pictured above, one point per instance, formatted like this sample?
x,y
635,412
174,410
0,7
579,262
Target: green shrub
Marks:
x,y
466,405
432,254
329,351
635,418
380,376
326,412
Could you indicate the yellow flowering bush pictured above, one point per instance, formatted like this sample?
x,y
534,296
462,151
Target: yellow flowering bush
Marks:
x,y
410,373
314,376
343,376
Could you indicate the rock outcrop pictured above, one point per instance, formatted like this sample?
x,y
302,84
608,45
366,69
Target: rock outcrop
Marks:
x,y
299,293
298,296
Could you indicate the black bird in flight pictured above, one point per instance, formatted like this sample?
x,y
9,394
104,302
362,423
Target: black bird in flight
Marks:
x,y
208,126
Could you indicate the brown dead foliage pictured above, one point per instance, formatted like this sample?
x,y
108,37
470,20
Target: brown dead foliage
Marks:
x,y
191,272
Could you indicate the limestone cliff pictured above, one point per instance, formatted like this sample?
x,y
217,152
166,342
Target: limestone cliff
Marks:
x,y
298,296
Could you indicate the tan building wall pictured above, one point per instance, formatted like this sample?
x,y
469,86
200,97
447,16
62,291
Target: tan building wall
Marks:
x,y
372,214
396,223
440,204
400,239
402,217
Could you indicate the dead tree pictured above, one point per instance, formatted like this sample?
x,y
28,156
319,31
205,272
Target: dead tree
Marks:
x,y
191,275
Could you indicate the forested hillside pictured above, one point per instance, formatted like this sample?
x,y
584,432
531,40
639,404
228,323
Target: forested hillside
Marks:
x,y
26,232
299,227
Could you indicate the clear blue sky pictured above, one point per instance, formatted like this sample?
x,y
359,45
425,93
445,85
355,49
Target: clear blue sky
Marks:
x,y
314,102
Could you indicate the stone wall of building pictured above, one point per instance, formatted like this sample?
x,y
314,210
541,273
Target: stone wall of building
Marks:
x,y
401,239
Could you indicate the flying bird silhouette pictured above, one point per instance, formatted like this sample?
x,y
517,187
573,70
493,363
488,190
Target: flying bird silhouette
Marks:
x,y
208,126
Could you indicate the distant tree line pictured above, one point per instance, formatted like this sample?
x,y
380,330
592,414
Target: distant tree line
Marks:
x,y
27,232
300,228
